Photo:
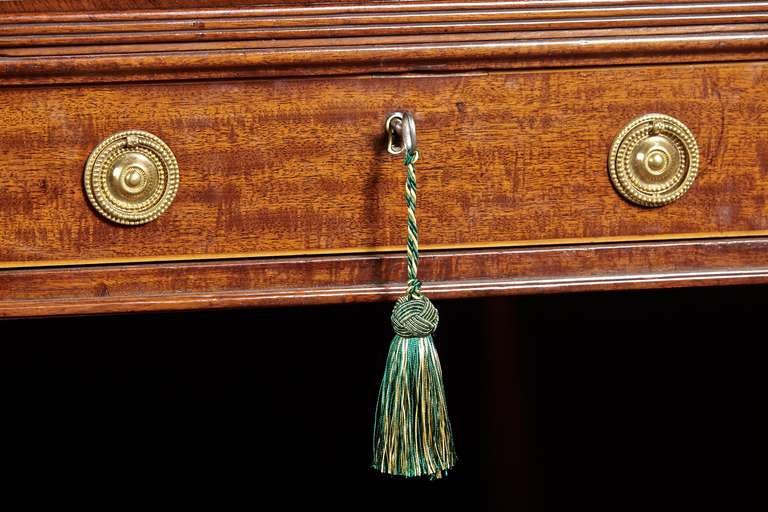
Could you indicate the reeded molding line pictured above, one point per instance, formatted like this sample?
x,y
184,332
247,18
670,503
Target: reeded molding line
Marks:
x,y
445,57
344,21
173,40
518,9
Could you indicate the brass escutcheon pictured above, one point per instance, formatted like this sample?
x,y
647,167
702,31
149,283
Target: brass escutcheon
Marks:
x,y
131,177
654,160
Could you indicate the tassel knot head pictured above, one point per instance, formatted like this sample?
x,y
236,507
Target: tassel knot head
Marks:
x,y
414,317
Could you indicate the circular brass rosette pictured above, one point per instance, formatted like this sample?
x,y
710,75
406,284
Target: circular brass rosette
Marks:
x,y
131,177
654,160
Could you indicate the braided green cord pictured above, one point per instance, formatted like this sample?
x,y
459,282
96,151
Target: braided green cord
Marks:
x,y
414,285
412,434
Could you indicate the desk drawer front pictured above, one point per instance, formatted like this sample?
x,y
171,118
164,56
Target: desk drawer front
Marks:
x,y
274,167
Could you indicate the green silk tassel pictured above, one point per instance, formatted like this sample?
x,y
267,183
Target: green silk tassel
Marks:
x,y
412,434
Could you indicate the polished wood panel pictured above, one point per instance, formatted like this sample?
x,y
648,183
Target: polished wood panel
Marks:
x,y
452,274
299,167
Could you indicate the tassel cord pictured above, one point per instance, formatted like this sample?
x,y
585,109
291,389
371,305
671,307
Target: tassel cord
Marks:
x,y
412,249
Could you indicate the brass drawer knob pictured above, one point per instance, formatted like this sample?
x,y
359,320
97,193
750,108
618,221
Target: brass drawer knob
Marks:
x,y
131,177
654,160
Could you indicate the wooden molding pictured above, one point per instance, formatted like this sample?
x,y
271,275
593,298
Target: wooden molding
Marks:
x,y
359,38
21,9
359,278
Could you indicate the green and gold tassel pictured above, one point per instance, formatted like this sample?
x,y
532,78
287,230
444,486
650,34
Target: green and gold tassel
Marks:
x,y
412,434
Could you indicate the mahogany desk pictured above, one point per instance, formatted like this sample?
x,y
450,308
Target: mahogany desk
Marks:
x,y
181,156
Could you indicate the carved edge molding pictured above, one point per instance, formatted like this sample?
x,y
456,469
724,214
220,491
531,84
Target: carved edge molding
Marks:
x,y
349,38
363,278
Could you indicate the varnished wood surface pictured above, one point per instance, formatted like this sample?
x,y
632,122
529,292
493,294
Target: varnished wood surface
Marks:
x,y
26,10
44,6
208,41
377,14
299,166
299,281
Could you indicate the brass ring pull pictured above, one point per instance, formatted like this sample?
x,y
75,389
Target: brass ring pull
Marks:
x,y
654,160
131,178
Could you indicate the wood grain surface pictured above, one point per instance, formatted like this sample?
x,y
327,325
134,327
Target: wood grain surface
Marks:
x,y
361,278
299,166
44,7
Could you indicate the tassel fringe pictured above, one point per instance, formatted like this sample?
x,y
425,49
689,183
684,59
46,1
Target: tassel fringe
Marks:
x,y
412,434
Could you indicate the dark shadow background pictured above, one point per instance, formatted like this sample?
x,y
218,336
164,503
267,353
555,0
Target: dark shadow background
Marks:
x,y
611,401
